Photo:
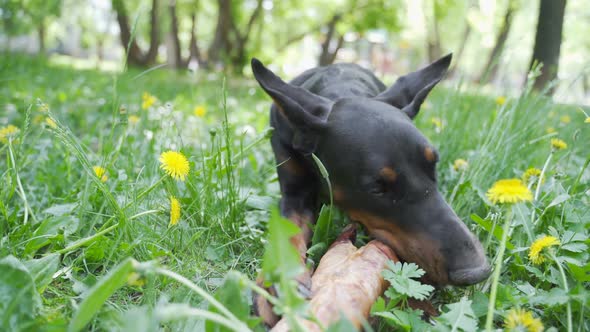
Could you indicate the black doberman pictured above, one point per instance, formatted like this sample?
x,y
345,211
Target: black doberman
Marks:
x,y
382,169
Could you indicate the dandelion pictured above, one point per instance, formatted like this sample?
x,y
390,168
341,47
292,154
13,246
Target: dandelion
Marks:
x,y
135,279
147,100
200,111
536,251
550,130
174,211
558,144
133,119
38,119
460,164
100,173
7,132
587,120
50,122
437,122
509,191
565,119
174,164
501,100
522,320
532,173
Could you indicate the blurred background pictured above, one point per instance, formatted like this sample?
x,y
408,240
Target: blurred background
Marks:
x,y
495,43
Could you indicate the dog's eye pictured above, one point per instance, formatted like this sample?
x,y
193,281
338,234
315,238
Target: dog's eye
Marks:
x,y
391,191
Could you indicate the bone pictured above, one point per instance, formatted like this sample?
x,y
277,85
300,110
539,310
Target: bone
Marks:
x,y
346,283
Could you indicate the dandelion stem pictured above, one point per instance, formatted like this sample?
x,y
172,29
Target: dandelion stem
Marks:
x,y
222,309
81,242
565,288
20,186
497,269
538,188
145,192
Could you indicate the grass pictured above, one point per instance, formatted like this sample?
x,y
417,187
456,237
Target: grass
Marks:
x,y
48,180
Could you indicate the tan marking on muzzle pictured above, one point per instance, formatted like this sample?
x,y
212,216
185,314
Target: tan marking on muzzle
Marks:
x,y
388,174
292,167
429,154
414,247
301,239
337,194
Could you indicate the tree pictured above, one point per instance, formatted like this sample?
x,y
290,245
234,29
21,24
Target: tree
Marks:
x,y
490,70
22,16
231,38
135,56
548,41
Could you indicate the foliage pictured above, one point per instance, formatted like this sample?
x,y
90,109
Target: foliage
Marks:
x,y
78,229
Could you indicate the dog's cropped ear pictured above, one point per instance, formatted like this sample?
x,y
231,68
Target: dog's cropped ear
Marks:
x,y
409,91
307,112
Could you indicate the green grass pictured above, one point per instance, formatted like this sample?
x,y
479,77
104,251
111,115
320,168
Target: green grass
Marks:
x,y
46,174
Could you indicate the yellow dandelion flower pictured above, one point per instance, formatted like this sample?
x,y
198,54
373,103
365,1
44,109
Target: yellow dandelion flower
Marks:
x,y
509,191
550,130
100,173
522,320
133,119
587,120
460,164
565,119
147,100
174,164
200,111
50,122
437,122
135,279
7,132
558,144
536,251
501,100
174,211
37,119
532,173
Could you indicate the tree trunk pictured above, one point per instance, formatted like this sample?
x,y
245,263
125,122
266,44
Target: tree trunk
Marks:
x,y
152,52
548,41
239,56
433,38
194,51
134,55
178,63
41,35
490,70
328,54
220,46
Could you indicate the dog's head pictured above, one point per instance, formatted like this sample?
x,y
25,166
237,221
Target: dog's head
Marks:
x,y
383,170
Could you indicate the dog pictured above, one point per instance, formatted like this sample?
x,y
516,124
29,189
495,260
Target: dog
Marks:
x,y
382,169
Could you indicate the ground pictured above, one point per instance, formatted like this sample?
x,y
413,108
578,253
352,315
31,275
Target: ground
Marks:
x,y
72,121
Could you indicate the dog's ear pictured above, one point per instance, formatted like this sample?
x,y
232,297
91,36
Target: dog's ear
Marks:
x,y
307,112
409,91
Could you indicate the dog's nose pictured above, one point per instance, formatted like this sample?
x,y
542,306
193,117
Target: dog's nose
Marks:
x,y
470,276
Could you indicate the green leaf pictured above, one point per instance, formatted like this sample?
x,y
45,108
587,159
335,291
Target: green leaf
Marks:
x,y
281,258
459,317
408,320
342,325
488,225
42,270
321,234
100,292
400,278
231,295
19,300
49,229
556,296
581,273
